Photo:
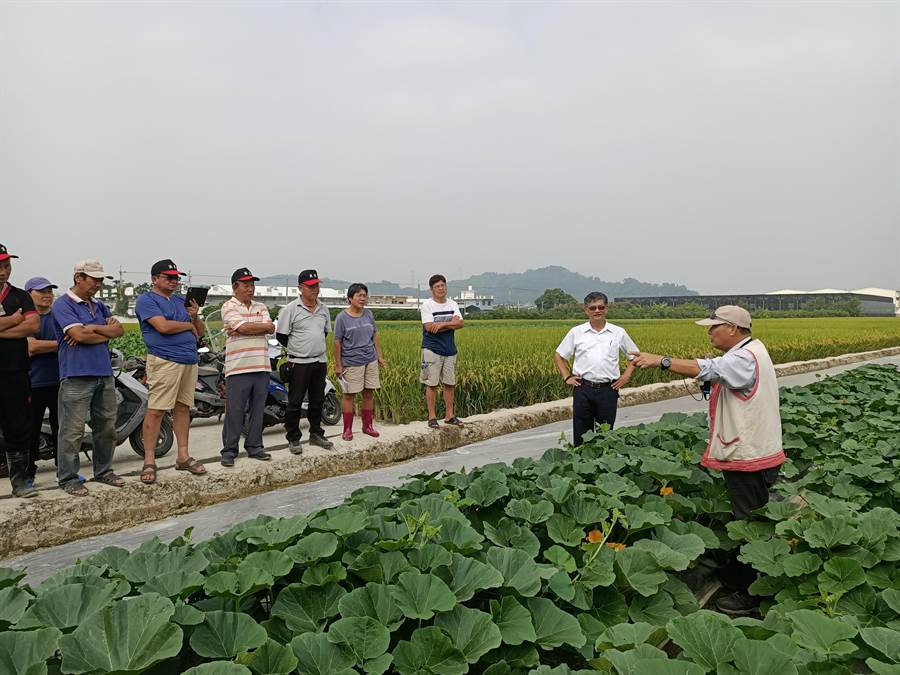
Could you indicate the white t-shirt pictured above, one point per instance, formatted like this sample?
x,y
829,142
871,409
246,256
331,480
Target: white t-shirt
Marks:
x,y
596,352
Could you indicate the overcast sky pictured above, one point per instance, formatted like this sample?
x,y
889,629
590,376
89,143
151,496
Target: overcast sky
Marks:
x,y
729,146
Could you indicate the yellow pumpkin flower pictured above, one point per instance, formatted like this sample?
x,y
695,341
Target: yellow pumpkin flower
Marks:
x,y
595,536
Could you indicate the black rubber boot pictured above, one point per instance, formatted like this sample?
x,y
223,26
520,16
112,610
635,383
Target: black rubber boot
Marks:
x,y
18,469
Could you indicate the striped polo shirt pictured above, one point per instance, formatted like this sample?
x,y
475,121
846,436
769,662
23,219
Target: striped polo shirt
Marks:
x,y
245,353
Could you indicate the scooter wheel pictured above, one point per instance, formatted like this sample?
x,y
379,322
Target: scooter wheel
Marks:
x,y
163,443
331,409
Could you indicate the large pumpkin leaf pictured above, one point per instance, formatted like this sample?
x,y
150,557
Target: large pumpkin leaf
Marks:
x,y
564,530
274,563
419,595
706,637
375,601
757,657
766,556
820,634
466,576
10,576
26,652
177,584
129,635
364,637
885,640
473,632
313,547
518,569
218,668
342,520
552,626
800,564
625,635
272,658
142,566
68,606
306,608
324,574
513,620
640,571
429,650
226,634
245,581
317,655
13,603
487,489
458,536
831,532
530,512
841,575
273,533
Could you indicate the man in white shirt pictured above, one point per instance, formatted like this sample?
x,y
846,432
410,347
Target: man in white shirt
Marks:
x,y
595,374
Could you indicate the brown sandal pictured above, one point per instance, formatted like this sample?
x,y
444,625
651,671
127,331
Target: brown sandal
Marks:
x,y
76,489
191,465
148,474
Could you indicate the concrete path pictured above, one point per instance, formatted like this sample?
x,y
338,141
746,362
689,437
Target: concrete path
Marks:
x,y
331,491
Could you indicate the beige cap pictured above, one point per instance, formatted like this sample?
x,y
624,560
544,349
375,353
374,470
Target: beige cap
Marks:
x,y
92,268
736,316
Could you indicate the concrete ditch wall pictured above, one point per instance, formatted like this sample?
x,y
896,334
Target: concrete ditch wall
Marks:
x,y
56,518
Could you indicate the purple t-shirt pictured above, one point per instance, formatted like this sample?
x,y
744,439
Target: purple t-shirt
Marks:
x,y
357,336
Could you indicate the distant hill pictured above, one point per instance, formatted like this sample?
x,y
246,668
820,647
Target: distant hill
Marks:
x,y
521,287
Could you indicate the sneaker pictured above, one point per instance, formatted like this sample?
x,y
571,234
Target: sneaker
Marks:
x,y
738,604
227,461
29,482
261,456
320,441
295,447
25,492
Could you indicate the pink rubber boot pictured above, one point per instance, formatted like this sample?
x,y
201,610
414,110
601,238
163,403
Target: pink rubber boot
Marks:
x,y
367,417
348,427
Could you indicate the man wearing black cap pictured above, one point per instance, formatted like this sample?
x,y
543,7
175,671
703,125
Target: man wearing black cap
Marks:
x,y
44,372
18,320
170,328
302,327
247,367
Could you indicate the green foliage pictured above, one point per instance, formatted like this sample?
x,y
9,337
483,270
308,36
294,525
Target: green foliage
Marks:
x,y
546,567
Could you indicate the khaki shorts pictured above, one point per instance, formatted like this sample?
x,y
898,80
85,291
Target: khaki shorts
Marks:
x,y
170,382
362,377
437,369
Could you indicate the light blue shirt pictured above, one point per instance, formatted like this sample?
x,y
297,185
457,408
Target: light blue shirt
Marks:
x,y
736,368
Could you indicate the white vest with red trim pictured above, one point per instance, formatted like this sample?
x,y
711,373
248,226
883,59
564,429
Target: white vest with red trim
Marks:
x,y
745,430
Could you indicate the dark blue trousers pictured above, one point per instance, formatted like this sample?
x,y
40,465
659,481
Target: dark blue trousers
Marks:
x,y
591,407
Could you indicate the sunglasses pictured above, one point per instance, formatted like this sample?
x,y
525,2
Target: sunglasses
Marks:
x,y
596,308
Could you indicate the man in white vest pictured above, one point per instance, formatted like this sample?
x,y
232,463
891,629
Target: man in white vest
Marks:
x,y
744,424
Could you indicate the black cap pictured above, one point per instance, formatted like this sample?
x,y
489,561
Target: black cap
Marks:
x,y
243,274
166,267
308,278
4,254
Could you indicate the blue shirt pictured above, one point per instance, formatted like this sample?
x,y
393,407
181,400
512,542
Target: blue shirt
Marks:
x,y
177,347
45,367
81,360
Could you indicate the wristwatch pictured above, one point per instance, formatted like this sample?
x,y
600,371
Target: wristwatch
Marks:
x,y
665,363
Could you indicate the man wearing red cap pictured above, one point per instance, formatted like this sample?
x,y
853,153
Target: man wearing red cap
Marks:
x,y
744,425
18,320
170,328
247,368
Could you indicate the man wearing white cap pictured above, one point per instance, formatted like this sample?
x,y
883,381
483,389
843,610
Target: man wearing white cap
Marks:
x,y
83,327
744,423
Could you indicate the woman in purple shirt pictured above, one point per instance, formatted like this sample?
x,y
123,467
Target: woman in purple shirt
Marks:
x,y
357,358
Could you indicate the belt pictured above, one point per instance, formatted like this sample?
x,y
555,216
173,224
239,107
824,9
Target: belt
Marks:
x,y
595,385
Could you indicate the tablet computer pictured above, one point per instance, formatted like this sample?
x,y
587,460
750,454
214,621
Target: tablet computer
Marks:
x,y
197,293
